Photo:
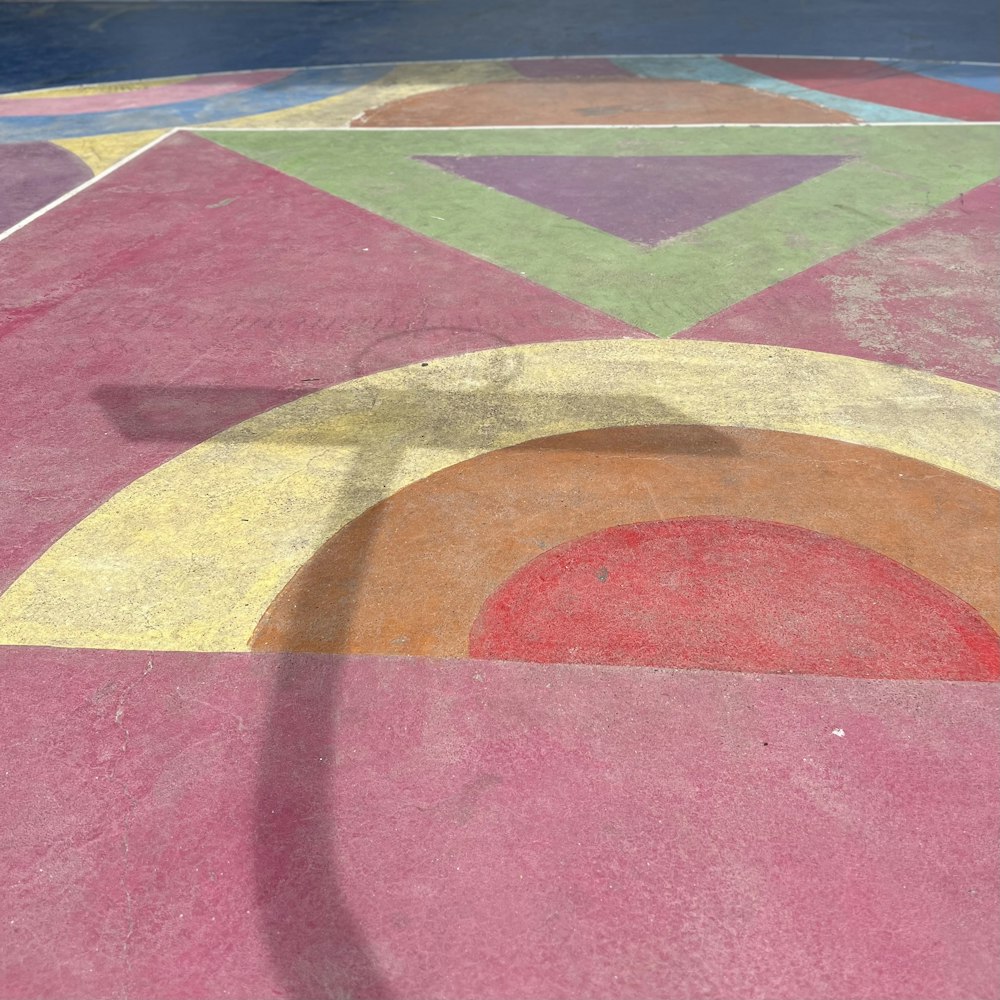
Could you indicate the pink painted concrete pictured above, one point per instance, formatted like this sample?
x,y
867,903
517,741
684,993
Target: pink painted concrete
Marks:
x,y
191,826
193,288
925,295
196,89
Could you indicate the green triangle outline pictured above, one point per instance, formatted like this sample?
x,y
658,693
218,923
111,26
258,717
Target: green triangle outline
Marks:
x,y
898,173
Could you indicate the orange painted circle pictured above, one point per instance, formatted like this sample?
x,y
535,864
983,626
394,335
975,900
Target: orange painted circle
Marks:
x,y
411,574
594,102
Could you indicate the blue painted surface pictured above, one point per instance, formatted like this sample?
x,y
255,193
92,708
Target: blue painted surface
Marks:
x,y
44,45
301,87
980,77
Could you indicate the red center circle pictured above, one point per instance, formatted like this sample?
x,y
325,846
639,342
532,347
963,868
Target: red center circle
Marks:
x,y
733,594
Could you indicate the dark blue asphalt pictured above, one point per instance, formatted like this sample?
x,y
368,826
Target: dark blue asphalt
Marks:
x,y
45,45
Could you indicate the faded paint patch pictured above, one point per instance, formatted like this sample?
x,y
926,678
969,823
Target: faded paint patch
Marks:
x,y
593,101
925,295
397,84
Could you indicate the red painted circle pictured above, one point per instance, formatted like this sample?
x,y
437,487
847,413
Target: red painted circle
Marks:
x,y
733,594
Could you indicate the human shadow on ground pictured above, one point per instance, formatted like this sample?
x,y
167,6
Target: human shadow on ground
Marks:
x,y
318,948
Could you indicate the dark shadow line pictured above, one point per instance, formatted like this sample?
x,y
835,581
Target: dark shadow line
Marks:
x,y
317,946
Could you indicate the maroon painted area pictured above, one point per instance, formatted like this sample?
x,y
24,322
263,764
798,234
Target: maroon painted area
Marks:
x,y
32,174
191,826
925,295
193,288
733,594
540,69
866,80
644,199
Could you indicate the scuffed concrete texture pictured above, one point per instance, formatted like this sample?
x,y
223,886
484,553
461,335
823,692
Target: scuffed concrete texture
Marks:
x,y
894,175
397,84
193,288
870,80
32,174
183,824
102,151
925,295
244,826
724,593
627,196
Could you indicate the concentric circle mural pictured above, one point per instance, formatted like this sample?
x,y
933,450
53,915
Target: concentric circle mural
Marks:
x,y
237,515
507,507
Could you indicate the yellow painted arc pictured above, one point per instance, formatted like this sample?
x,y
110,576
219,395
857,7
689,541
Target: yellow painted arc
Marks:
x,y
190,555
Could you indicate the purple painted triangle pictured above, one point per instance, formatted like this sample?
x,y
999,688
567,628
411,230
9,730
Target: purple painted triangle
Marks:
x,y
643,199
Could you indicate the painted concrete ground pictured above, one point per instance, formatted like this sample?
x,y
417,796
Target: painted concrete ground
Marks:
x,y
53,140
446,561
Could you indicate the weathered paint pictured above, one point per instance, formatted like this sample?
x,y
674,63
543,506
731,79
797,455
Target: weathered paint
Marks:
x,y
716,69
888,85
925,295
981,76
192,554
32,174
395,84
283,90
593,101
643,199
644,89
411,573
717,593
895,175
143,96
545,69
293,826
243,289
300,826
102,151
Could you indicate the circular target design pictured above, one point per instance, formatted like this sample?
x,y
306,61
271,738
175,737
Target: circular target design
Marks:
x,y
379,516
732,594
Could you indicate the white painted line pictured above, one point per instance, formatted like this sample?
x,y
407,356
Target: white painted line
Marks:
x,y
86,184
536,128
465,128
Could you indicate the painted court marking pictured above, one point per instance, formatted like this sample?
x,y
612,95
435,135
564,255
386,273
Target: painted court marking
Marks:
x,y
722,593
202,544
86,184
599,830
412,572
